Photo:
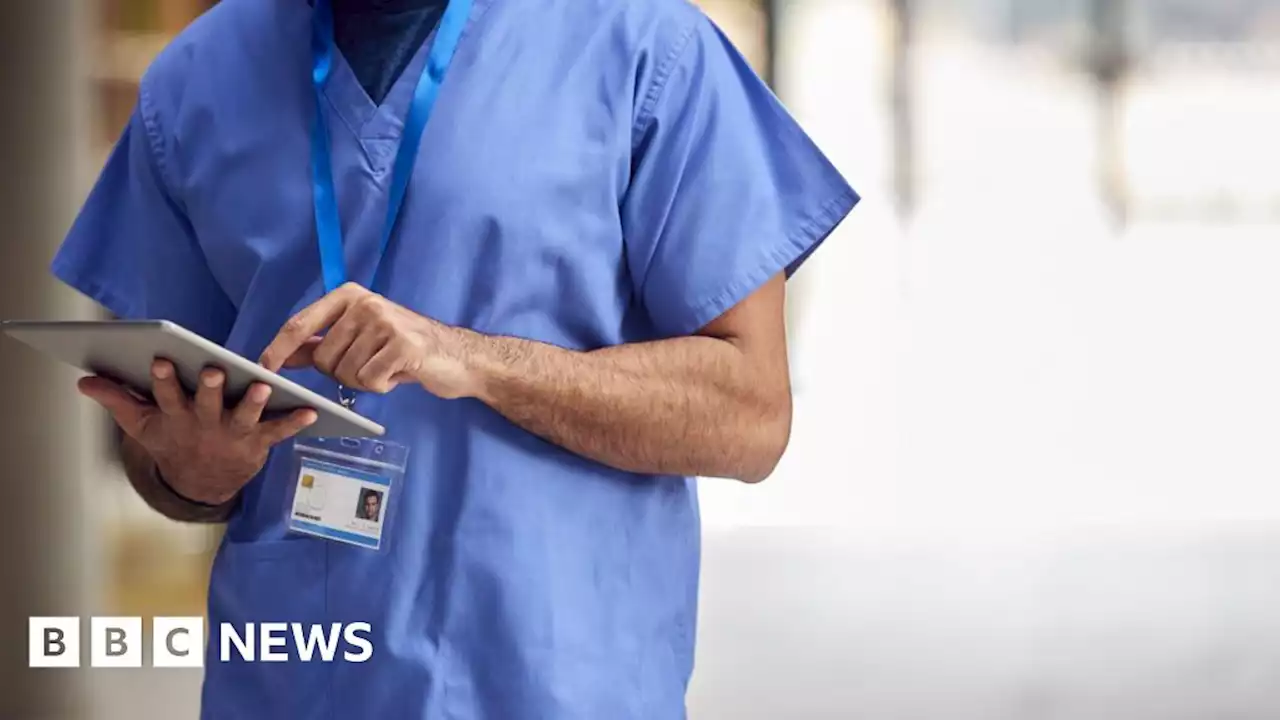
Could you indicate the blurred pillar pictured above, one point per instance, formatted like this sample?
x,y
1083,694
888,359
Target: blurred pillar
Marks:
x,y
1109,64
799,288
43,445
902,109
771,10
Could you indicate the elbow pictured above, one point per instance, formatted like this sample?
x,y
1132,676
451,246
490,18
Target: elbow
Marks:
x,y
768,440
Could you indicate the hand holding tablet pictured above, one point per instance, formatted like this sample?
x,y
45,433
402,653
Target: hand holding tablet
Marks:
x,y
203,449
205,416
124,351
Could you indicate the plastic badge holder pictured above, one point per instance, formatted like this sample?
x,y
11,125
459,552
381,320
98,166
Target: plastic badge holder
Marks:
x,y
344,488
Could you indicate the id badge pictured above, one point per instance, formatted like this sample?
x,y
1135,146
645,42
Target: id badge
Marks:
x,y
345,487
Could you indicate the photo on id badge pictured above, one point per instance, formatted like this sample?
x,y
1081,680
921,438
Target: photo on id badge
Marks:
x,y
343,490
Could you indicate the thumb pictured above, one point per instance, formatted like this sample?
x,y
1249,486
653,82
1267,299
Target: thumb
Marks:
x,y
129,412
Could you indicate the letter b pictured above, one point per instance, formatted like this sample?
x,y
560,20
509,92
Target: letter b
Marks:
x,y
54,642
116,642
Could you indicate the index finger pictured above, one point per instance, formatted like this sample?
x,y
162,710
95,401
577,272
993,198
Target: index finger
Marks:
x,y
301,327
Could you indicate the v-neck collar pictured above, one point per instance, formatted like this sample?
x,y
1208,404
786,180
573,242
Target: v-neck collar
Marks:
x,y
367,119
371,121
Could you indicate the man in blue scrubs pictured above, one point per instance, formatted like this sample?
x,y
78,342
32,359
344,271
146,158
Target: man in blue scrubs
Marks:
x,y
564,296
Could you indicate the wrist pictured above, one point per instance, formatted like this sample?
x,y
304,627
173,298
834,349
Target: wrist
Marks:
x,y
484,367
461,363
200,501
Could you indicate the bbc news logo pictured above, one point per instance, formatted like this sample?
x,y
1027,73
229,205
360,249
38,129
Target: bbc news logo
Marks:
x,y
178,642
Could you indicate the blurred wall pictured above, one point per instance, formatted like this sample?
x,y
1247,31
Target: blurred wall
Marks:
x,y
1032,474
44,449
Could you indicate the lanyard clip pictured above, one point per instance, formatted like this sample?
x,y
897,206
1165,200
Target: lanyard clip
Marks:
x,y
347,398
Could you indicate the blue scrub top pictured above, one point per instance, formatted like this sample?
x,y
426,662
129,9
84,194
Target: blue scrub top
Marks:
x,y
596,172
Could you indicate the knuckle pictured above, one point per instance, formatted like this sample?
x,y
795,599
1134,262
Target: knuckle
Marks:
x,y
294,325
340,374
351,377
366,376
241,419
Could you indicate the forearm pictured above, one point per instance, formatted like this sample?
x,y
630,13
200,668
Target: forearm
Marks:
x,y
684,406
714,404
146,480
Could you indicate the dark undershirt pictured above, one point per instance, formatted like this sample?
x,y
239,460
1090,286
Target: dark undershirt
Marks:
x,y
378,38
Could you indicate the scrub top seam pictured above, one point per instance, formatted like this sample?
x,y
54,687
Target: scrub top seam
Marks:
x,y
814,228
333,105
663,73
154,136
115,302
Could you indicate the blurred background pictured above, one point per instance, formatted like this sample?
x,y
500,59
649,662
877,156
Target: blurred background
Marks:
x,y
1032,474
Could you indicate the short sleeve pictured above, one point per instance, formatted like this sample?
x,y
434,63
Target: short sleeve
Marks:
x,y
133,251
726,190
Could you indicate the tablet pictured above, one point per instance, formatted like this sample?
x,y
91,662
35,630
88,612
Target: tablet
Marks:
x,y
123,350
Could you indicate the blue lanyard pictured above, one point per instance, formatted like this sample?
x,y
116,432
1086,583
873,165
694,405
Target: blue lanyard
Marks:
x,y
328,224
